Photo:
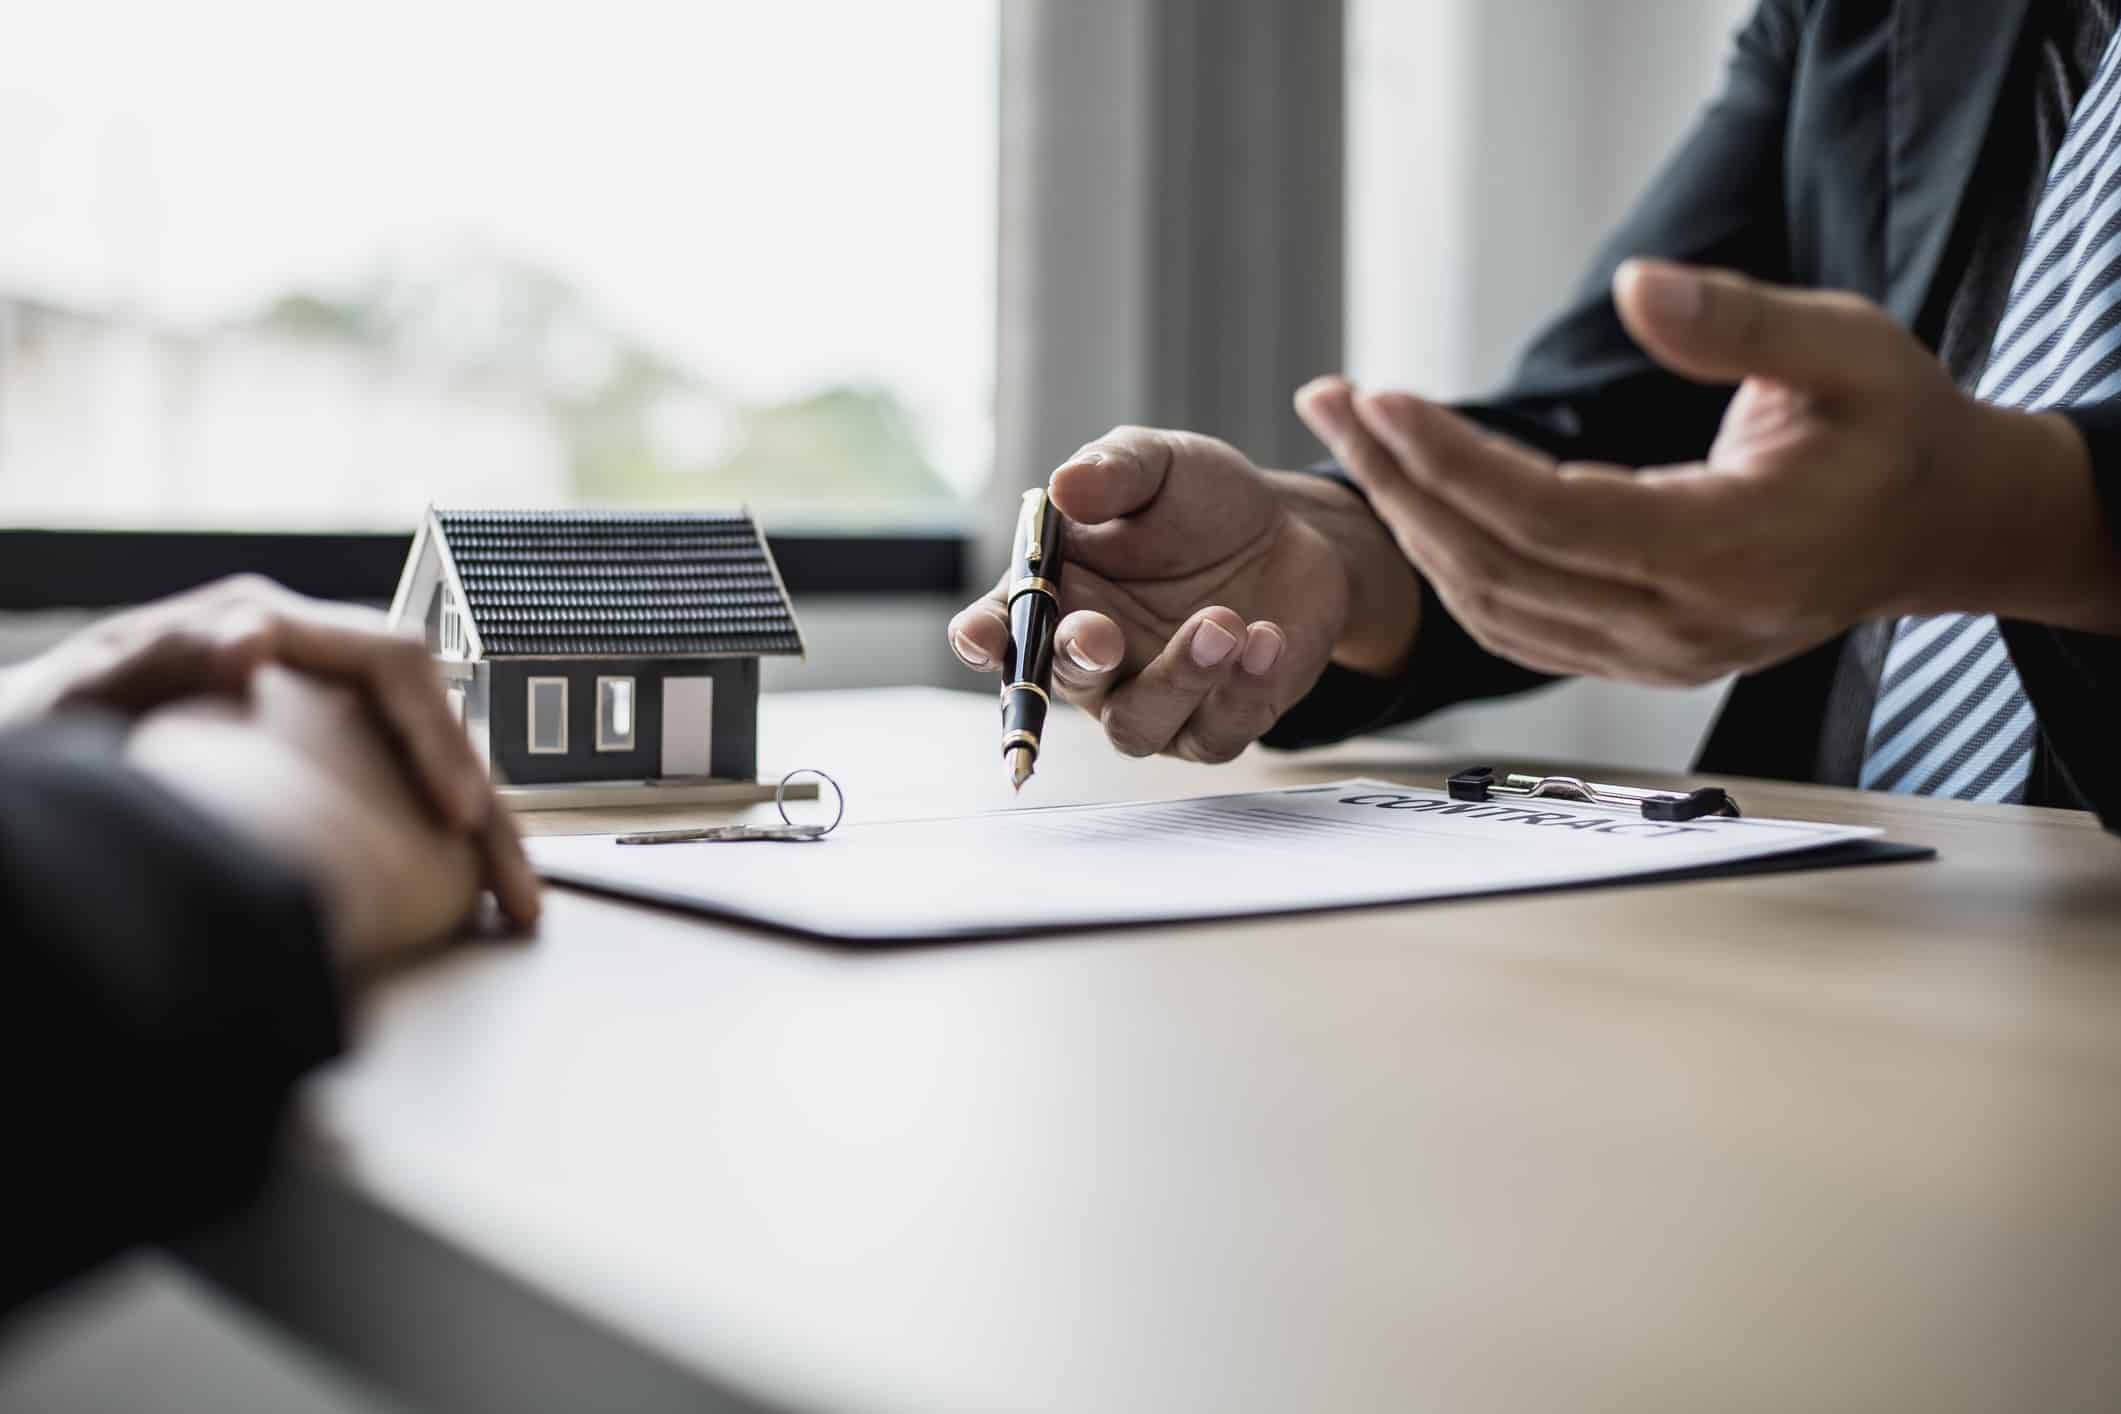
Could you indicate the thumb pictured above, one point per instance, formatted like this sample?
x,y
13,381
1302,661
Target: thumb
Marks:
x,y
1717,326
1117,475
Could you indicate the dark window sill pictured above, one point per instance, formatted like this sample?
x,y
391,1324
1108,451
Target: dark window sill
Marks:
x,y
101,569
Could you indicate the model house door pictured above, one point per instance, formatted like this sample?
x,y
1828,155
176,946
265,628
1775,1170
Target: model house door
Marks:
x,y
688,726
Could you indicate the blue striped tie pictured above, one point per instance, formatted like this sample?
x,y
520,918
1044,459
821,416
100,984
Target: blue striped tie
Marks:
x,y
1951,717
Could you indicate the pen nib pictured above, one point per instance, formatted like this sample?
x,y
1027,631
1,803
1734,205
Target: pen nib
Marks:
x,y
1020,759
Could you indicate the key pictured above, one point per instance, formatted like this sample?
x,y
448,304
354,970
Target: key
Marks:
x,y
731,834
788,831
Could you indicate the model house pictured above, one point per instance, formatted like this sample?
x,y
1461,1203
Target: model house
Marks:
x,y
585,647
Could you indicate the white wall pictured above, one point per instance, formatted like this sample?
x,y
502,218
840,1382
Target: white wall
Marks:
x,y
1492,145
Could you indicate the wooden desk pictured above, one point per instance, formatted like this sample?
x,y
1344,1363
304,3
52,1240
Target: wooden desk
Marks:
x,y
1845,1140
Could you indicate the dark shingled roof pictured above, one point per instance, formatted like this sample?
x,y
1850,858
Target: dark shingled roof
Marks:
x,y
624,583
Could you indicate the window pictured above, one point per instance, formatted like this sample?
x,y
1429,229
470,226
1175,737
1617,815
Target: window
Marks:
x,y
454,642
614,714
548,716
256,276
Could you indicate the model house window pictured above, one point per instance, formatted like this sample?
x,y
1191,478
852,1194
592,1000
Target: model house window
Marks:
x,y
548,716
614,714
453,644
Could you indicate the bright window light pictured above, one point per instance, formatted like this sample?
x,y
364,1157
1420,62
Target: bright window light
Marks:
x,y
264,265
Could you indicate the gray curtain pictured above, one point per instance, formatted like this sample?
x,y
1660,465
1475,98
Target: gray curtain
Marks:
x,y
1171,225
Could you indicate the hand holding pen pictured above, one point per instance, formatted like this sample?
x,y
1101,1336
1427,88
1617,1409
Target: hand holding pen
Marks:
x,y
1202,597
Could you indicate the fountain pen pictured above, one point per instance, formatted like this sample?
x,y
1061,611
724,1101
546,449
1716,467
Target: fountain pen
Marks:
x,y
1034,619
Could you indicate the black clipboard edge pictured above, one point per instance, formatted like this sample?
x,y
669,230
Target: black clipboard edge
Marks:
x,y
1846,854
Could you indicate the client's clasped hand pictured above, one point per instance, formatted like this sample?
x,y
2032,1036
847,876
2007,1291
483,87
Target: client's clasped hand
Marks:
x,y
317,732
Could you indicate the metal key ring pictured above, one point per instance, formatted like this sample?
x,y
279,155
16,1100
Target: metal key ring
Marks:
x,y
839,799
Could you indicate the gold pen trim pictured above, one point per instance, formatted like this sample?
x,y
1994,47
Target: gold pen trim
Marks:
x,y
1009,687
1019,738
1033,584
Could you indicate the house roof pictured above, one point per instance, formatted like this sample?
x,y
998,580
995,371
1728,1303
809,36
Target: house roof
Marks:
x,y
679,583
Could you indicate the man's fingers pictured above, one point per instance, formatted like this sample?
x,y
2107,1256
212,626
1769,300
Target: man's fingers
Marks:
x,y
1327,407
1265,643
1717,326
508,873
1248,702
1533,594
1600,522
1452,548
145,657
1144,714
979,633
1529,636
1117,475
389,680
401,681
215,639
1089,649
139,675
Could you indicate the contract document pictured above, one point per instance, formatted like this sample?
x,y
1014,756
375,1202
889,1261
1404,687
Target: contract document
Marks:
x,y
1343,845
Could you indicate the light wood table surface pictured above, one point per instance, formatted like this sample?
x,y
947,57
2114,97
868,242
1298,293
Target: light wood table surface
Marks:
x,y
1838,1140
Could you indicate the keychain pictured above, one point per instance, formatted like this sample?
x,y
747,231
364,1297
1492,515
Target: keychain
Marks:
x,y
788,831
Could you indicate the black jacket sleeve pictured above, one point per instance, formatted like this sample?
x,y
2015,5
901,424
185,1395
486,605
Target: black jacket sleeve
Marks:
x,y
1585,389
162,985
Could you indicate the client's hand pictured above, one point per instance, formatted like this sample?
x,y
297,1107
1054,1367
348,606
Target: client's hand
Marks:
x,y
302,768
1203,595
209,642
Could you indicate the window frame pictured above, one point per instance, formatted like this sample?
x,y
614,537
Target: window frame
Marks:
x,y
107,569
633,713
530,714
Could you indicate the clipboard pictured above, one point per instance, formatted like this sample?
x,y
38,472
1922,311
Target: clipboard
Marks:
x,y
1341,845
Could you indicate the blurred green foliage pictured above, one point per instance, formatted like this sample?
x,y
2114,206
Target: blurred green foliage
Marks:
x,y
638,427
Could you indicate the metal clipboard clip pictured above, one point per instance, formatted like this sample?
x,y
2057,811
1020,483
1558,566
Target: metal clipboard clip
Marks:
x,y
1480,783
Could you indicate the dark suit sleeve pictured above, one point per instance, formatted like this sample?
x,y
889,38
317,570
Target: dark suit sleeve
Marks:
x,y
1585,389
162,985
2073,679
